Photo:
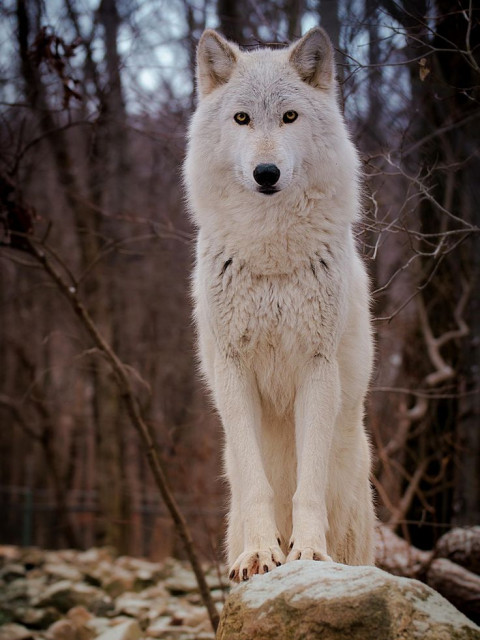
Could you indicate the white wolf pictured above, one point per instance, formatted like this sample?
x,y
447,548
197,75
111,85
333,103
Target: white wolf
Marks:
x,y
281,301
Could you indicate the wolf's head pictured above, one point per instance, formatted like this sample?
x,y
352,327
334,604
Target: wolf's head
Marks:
x,y
267,126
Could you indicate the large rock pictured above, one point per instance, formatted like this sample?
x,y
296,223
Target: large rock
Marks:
x,y
305,600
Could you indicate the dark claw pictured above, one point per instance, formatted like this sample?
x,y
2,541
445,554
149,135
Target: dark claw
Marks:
x,y
279,564
265,568
279,541
245,574
299,555
291,545
232,574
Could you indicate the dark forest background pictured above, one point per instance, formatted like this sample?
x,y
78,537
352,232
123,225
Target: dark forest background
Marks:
x,y
95,99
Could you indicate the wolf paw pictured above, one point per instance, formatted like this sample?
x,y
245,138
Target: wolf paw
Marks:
x,y
306,553
251,563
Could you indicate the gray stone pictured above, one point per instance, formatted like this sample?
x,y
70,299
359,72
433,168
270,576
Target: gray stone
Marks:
x,y
12,631
98,625
164,629
132,605
182,580
218,596
61,571
12,571
306,600
37,618
157,592
17,590
98,574
184,621
118,582
128,630
64,595
158,627
190,616
32,557
92,557
9,553
79,616
145,573
35,585
62,630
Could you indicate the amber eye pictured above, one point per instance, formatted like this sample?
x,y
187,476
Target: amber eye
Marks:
x,y
290,116
241,117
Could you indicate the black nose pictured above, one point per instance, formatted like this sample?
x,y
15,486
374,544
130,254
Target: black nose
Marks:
x,y
266,174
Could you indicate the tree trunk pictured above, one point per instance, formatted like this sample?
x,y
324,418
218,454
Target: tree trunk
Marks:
x,y
231,21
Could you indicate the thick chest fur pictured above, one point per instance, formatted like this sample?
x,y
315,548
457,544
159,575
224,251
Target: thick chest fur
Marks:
x,y
274,323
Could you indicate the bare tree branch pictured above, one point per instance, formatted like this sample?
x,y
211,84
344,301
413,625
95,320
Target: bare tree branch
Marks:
x,y
142,427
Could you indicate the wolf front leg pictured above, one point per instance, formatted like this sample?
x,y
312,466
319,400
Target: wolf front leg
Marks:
x,y
316,408
253,540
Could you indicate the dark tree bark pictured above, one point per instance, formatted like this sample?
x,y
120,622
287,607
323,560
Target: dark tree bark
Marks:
x,y
231,21
444,133
451,98
294,11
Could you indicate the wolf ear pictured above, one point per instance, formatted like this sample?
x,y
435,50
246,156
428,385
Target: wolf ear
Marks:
x,y
313,58
216,59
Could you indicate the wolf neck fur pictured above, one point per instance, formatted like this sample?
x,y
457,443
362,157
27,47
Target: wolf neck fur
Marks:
x,y
276,241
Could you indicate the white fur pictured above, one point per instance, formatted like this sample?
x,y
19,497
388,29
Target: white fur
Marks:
x,y
282,303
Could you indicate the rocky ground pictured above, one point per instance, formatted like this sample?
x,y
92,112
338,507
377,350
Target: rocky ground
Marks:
x,y
75,595
94,595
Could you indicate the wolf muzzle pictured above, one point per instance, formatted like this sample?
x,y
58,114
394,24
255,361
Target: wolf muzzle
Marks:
x,y
266,175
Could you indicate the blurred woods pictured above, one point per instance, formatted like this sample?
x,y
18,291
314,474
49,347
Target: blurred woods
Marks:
x,y
95,101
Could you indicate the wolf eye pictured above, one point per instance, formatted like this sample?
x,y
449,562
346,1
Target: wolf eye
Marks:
x,y
290,116
241,117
